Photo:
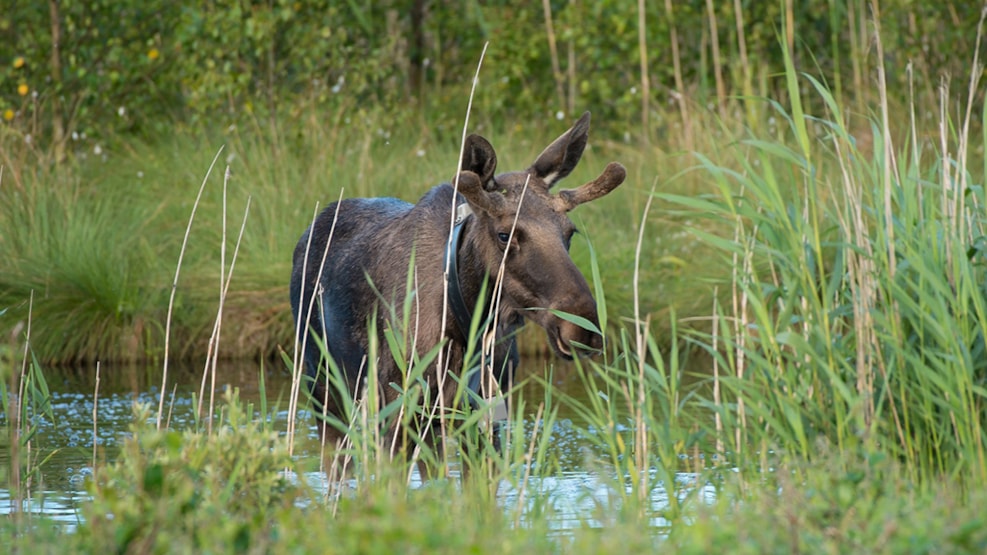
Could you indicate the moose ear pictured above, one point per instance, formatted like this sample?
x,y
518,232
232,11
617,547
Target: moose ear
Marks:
x,y
561,157
479,157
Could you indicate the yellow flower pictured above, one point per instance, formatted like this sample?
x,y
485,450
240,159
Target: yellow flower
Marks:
x,y
153,54
23,89
8,114
18,62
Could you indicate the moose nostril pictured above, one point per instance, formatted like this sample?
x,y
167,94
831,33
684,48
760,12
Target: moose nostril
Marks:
x,y
596,340
580,338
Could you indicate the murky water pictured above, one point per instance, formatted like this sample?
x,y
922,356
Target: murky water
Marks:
x,y
64,447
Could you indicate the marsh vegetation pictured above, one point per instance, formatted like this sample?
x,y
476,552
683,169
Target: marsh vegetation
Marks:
x,y
804,212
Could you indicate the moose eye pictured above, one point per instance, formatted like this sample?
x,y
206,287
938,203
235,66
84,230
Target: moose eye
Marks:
x,y
568,238
504,237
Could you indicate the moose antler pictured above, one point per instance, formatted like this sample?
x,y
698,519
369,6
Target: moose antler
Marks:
x,y
612,176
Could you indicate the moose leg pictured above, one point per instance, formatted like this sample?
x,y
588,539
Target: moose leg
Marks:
x,y
431,469
336,463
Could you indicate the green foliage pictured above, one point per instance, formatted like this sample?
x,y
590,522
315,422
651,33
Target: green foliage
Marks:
x,y
845,502
96,66
139,67
190,491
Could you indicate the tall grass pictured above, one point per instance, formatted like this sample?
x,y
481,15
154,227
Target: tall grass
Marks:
x,y
858,303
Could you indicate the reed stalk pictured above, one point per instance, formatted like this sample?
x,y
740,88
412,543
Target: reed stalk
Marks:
x,y
212,356
553,54
95,418
714,35
641,452
174,288
642,48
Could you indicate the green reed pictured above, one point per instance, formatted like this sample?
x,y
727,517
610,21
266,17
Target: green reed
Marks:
x,y
857,304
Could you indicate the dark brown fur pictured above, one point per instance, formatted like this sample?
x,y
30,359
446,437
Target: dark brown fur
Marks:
x,y
372,241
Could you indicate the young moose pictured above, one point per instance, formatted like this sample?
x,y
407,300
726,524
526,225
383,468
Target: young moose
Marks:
x,y
352,264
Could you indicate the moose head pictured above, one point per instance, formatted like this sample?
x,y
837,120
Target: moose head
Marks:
x,y
522,225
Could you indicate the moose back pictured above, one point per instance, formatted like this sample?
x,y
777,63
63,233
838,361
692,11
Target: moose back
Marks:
x,y
501,243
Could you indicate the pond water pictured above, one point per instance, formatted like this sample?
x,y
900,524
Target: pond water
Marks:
x,y
63,448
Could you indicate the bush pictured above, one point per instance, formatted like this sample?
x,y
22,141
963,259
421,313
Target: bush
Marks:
x,y
190,491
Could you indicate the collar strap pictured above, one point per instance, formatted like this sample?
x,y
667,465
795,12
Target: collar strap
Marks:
x,y
461,311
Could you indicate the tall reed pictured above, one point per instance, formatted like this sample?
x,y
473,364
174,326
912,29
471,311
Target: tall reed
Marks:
x,y
859,305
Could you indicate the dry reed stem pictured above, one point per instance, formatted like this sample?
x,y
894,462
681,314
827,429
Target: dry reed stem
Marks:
x,y
95,416
15,406
947,207
213,351
964,138
528,459
553,53
641,423
717,419
846,218
860,272
914,134
721,88
572,75
174,287
739,301
642,47
440,366
302,332
679,93
890,164
856,42
745,66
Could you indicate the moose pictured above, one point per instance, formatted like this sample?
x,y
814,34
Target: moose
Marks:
x,y
497,243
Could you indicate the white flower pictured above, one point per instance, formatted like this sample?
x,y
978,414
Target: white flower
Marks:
x,y
121,111
560,115
97,150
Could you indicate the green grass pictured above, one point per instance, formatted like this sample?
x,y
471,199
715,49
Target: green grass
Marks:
x,y
98,240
